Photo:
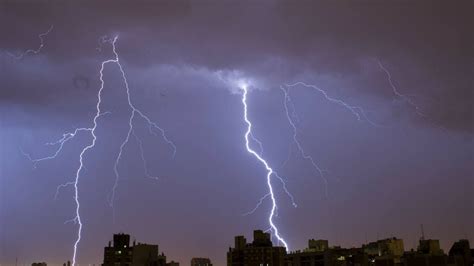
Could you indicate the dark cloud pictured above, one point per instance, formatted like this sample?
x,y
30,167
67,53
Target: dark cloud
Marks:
x,y
432,40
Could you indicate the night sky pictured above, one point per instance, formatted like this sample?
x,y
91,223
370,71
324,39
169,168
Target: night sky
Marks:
x,y
182,60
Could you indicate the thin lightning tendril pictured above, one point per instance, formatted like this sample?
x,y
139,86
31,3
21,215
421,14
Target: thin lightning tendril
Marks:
x,y
293,119
285,189
152,126
33,51
259,143
404,97
357,111
269,170
61,186
258,205
142,155
319,170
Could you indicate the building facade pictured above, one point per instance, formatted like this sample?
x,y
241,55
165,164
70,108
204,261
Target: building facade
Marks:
x,y
121,253
260,252
201,262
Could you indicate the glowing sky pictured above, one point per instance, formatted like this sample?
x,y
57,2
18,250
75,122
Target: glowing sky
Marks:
x,y
181,60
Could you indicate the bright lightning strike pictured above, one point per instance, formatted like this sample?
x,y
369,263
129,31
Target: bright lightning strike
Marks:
x,y
135,112
269,170
33,51
275,174
285,189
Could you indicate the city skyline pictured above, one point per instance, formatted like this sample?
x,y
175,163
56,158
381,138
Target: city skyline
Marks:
x,y
124,250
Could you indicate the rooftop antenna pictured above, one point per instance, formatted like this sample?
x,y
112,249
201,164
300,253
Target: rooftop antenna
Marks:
x,y
422,233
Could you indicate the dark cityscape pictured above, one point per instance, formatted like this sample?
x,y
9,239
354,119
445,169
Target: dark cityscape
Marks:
x,y
236,132
261,251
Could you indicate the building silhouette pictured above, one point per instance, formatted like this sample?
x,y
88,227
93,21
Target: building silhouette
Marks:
x,y
120,253
317,245
322,255
461,253
260,252
429,246
384,252
201,262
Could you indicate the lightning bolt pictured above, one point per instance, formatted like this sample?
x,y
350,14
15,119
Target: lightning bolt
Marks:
x,y
33,51
269,170
135,112
257,205
142,155
275,174
292,118
395,90
152,126
286,101
356,111
285,189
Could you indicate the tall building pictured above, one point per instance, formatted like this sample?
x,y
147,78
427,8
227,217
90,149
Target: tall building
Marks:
x,y
120,253
138,254
201,262
260,252
460,253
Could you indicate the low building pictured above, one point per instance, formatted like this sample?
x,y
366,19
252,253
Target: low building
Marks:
x,y
121,253
318,245
385,247
201,262
423,259
319,253
428,253
429,246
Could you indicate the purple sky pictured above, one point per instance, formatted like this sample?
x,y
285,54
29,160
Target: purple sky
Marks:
x,y
383,180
